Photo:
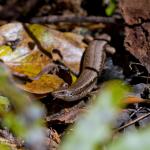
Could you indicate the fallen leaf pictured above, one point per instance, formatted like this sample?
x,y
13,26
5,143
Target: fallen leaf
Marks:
x,y
20,52
133,100
53,139
23,60
16,53
69,45
45,84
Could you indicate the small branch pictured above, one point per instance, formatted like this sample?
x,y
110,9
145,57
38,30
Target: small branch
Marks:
x,y
74,19
133,121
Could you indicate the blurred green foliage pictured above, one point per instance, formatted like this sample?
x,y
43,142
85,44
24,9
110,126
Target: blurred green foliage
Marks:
x,y
4,104
4,147
135,140
24,116
94,130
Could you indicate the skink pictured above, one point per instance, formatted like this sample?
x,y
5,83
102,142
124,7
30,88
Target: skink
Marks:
x,y
93,63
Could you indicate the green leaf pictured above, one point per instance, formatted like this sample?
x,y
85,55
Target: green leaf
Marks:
x,y
110,8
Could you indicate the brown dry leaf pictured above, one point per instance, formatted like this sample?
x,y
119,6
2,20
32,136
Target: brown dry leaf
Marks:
x,y
16,52
53,139
31,65
137,41
67,115
21,54
45,84
70,45
133,99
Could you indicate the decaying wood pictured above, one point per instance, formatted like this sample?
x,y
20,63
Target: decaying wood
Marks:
x,y
137,17
67,116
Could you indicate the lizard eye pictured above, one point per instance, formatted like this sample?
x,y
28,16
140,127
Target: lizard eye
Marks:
x,y
62,92
59,93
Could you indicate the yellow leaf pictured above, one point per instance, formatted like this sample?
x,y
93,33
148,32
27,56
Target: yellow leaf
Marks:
x,y
45,84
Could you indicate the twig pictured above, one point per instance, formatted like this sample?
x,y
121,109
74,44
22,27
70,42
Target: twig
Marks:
x,y
136,112
74,19
133,121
